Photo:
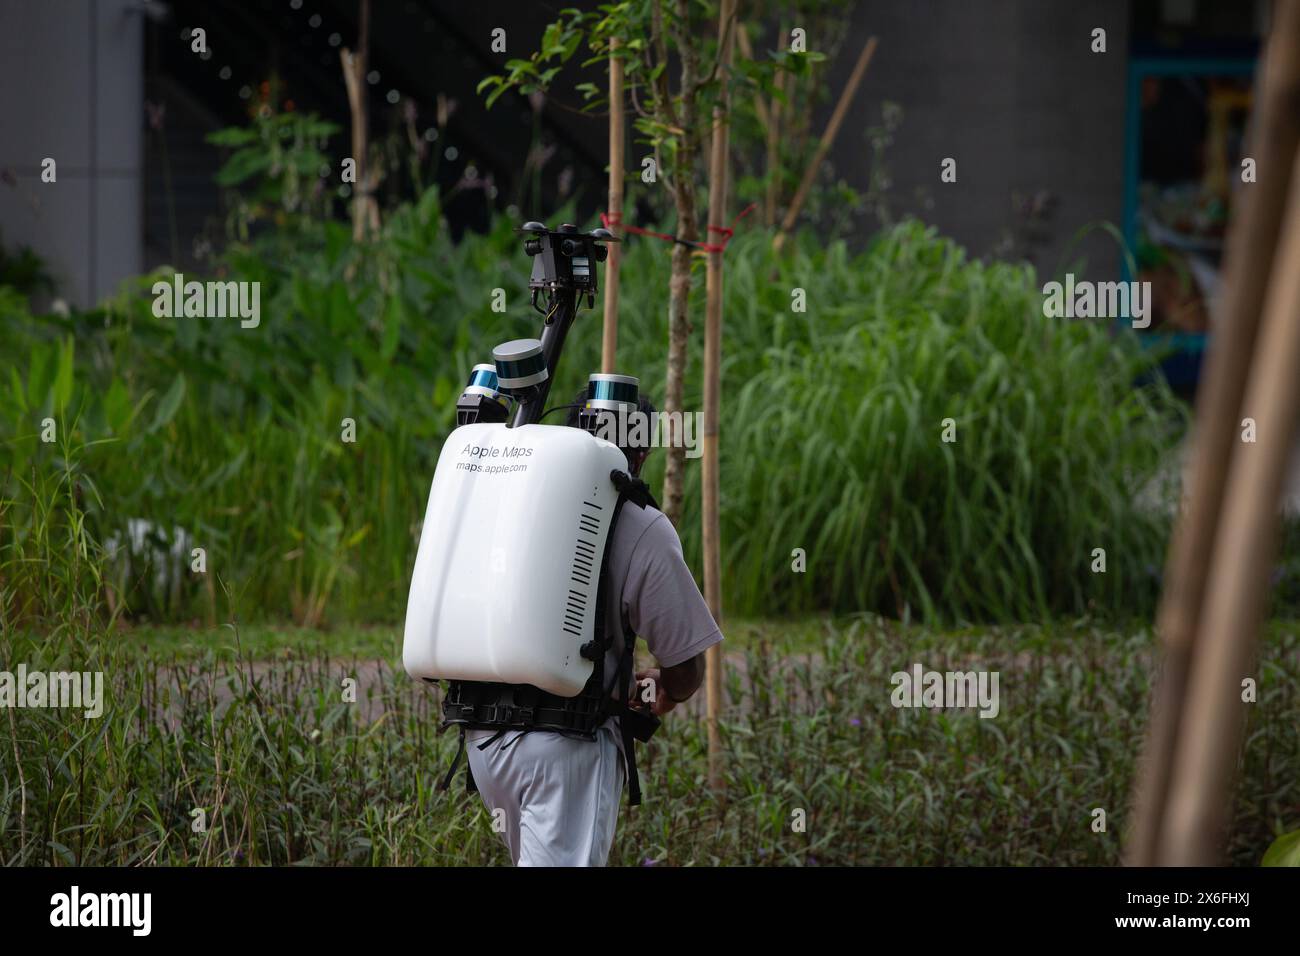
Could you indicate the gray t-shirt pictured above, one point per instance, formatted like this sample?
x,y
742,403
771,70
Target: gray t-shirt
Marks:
x,y
656,592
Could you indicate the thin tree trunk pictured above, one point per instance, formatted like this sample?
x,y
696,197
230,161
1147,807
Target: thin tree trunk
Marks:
x,y
364,217
772,193
609,340
1274,138
711,530
679,283
679,333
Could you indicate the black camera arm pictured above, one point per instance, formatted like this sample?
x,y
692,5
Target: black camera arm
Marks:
x,y
564,271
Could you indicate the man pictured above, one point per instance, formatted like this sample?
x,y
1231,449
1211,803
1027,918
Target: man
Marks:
x,y
561,795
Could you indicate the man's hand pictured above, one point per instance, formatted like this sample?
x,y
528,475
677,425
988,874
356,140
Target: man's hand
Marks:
x,y
650,681
672,686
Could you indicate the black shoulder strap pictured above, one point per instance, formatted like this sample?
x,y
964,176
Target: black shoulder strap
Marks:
x,y
624,719
604,639
633,725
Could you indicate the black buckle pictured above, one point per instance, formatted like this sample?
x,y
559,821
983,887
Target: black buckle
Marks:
x,y
633,489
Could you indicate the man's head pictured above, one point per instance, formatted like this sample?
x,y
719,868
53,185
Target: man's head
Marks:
x,y
636,453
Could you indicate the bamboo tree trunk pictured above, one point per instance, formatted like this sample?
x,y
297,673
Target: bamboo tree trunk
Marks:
x,y
1274,139
609,339
1209,738
354,78
711,532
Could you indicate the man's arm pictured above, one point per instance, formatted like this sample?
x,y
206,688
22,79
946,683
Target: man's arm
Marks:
x,y
664,606
684,679
674,685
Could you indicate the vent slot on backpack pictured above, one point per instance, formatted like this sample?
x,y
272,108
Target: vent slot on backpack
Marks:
x,y
582,572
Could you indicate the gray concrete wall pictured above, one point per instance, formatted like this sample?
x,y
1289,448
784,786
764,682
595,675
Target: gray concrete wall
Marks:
x,y
72,89
1011,90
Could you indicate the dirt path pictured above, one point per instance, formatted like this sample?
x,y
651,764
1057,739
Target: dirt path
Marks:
x,y
375,682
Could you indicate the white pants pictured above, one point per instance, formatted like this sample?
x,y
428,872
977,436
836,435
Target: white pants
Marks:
x,y
559,795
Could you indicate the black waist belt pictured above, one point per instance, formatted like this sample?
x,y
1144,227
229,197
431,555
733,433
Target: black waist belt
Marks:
x,y
485,706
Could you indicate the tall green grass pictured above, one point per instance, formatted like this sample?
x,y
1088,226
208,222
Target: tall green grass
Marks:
x,y
51,565
287,772
284,769
831,424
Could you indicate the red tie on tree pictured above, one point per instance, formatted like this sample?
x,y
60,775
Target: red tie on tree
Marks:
x,y
611,219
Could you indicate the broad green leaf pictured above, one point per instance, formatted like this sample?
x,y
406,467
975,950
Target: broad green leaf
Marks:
x,y
38,384
393,319
170,403
16,386
63,379
232,136
1284,851
117,407
243,166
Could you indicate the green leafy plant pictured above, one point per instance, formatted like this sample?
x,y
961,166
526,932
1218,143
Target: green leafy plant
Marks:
x,y
832,422
278,169
24,271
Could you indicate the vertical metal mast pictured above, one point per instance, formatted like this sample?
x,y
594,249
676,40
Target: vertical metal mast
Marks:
x,y
564,270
